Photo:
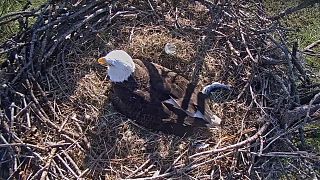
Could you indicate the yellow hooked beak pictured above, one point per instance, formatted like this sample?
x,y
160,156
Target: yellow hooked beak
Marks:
x,y
102,61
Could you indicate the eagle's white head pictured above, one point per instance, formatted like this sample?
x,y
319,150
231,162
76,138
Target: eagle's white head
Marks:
x,y
120,65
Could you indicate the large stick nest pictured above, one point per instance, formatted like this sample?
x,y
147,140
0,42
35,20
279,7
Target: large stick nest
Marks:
x,y
57,121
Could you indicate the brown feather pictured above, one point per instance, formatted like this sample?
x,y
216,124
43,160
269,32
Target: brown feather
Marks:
x,y
141,98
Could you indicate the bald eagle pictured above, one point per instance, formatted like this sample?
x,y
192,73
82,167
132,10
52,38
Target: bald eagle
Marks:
x,y
156,97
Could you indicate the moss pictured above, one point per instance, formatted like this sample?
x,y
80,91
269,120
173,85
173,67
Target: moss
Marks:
x,y
304,23
305,27
7,6
10,29
313,136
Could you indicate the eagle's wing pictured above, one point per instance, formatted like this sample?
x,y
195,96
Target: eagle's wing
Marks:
x,y
195,111
161,92
172,90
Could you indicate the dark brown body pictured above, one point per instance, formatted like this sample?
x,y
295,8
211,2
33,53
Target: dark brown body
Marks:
x,y
141,98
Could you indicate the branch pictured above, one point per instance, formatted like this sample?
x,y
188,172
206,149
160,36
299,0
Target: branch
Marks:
x,y
234,146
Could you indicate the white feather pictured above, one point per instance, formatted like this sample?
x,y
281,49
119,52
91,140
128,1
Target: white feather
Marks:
x,y
121,65
173,102
207,89
198,114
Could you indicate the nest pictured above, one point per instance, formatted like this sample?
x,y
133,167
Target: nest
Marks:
x,y
57,121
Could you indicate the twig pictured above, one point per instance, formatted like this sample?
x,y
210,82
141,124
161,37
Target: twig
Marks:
x,y
75,166
315,98
16,15
298,154
21,71
20,13
12,154
21,144
139,168
234,146
185,169
297,113
24,110
27,147
295,62
51,124
56,145
35,100
245,44
309,47
146,170
73,141
59,170
49,159
302,137
43,95
72,29
236,52
176,160
67,166
27,112
294,127
63,124
83,172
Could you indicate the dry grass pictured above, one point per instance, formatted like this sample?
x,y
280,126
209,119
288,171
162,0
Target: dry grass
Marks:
x,y
105,144
118,145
